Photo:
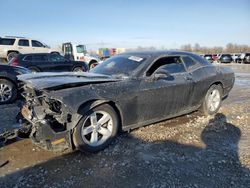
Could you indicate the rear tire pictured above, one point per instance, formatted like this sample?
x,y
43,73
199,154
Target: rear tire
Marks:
x,y
11,55
97,129
212,101
8,91
79,69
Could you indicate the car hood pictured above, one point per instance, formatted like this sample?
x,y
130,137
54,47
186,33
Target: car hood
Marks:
x,y
56,81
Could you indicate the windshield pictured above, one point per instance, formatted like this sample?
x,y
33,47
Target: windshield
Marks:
x,y
80,49
122,65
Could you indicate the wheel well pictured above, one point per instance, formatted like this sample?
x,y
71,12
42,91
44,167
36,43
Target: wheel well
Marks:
x,y
10,80
85,107
92,61
55,52
12,51
218,84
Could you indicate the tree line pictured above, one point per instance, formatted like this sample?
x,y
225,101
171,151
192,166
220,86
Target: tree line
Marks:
x,y
197,48
229,48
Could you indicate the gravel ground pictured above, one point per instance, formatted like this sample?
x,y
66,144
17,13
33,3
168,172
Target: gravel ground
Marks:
x,y
188,151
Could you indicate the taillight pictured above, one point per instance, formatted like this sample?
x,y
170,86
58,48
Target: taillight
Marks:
x,y
14,62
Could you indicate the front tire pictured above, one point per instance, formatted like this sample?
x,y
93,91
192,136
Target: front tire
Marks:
x,y
212,100
97,129
8,91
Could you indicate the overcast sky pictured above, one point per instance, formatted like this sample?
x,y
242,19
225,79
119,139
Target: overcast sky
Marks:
x,y
128,23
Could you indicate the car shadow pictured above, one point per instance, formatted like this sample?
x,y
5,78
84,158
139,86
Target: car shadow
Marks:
x,y
133,162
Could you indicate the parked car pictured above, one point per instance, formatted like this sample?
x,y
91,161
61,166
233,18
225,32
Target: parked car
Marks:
x,y
215,57
10,46
225,58
77,52
48,62
86,110
245,58
236,57
9,83
209,58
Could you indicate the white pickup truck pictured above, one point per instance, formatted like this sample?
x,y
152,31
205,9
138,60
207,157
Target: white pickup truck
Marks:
x,y
78,52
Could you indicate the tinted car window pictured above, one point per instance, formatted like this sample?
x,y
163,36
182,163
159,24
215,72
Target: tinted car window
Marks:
x,y
39,58
225,55
56,58
80,49
174,68
36,43
4,41
171,64
190,63
200,60
23,42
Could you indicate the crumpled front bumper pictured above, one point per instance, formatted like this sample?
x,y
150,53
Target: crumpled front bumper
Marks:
x,y
44,136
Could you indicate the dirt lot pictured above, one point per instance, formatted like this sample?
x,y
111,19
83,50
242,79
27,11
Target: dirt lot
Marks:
x,y
188,151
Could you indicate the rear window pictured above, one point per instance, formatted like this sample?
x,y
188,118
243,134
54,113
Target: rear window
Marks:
x,y
190,63
36,43
201,60
224,55
5,41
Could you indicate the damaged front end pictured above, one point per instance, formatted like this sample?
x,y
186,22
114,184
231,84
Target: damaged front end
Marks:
x,y
49,118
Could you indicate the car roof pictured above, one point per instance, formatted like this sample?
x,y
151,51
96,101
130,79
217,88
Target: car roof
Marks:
x,y
35,54
158,52
14,37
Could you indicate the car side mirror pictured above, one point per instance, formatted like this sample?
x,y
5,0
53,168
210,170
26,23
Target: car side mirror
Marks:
x,y
160,74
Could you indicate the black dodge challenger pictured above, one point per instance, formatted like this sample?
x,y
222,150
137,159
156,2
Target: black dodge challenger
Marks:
x,y
86,110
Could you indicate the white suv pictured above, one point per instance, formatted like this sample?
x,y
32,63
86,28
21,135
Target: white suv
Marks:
x,y
11,46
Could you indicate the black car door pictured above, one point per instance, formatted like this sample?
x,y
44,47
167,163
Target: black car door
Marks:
x,y
41,62
165,96
59,63
200,74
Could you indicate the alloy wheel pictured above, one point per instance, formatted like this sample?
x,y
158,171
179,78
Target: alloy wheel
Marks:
x,y
213,100
97,128
5,92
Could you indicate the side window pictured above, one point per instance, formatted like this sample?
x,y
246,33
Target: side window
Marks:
x,y
174,68
39,58
56,58
36,43
23,42
6,41
190,63
171,64
201,60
